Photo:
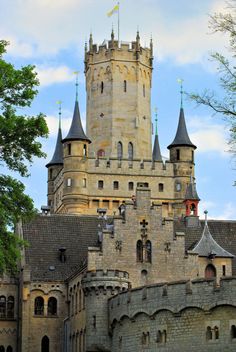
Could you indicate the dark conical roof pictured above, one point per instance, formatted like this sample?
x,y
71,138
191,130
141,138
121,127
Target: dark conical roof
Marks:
x,y
207,246
181,137
57,158
76,131
156,154
191,192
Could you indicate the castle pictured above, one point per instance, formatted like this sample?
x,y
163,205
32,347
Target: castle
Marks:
x,y
119,260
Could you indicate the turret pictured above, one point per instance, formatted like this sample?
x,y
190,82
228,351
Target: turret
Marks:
x,y
55,165
156,153
191,199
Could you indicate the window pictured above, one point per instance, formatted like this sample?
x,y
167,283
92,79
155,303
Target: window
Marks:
x,y
144,93
161,187
80,300
210,271
102,87
125,86
145,338
9,349
130,151
45,344
69,149
2,307
100,184
100,153
208,333
115,185
10,307
69,182
216,330
52,306
85,150
39,306
94,321
178,186
233,332
139,251
223,270
192,156
84,181
130,186
148,251
161,336
119,150
177,154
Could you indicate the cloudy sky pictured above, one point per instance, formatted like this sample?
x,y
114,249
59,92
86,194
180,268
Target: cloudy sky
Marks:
x,y
51,34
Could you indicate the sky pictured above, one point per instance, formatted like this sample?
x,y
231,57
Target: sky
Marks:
x,y
51,35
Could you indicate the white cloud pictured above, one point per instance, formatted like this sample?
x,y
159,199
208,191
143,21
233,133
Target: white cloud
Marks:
x,y
226,211
52,75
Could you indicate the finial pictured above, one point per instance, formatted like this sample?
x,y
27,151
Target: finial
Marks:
x,y
205,212
59,112
85,46
180,81
112,33
91,42
155,120
76,85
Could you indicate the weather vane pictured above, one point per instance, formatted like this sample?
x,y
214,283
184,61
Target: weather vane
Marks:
x,y
76,83
180,81
59,113
155,110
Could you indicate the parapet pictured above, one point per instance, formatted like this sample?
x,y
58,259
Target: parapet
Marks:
x,y
174,296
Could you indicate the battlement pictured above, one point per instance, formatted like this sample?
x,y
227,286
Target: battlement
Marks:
x,y
174,297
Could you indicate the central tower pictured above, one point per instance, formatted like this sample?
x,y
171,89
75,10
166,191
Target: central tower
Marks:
x,y
118,85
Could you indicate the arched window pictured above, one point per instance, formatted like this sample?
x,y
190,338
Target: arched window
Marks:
x,y
148,251
130,151
52,306
45,344
216,330
192,209
2,307
139,251
102,87
233,332
210,271
100,153
39,306
2,349
119,150
9,349
208,333
125,86
10,307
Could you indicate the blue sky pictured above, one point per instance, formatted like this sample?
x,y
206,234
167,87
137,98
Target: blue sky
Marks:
x,y
51,35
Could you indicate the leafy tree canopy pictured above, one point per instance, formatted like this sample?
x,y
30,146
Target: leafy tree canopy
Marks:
x,y
18,145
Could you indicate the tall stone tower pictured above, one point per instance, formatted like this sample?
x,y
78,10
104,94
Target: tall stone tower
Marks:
x,y
118,85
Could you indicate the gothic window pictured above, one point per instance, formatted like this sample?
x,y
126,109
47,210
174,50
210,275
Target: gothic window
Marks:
x,y
2,307
100,153
208,333
159,337
10,307
102,87
69,148
100,184
148,251
233,332
39,306
130,151
116,185
161,187
9,349
177,154
125,86
119,150
45,344
216,331
52,306
2,349
139,251
131,186
210,271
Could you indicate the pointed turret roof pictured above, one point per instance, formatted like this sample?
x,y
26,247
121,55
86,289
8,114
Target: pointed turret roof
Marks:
x,y
156,154
76,131
57,158
181,137
191,192
207,246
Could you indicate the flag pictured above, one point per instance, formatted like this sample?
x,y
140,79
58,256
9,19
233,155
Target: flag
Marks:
x,y
114,10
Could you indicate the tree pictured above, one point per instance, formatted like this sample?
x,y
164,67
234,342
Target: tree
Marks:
x,y
224,23
18,146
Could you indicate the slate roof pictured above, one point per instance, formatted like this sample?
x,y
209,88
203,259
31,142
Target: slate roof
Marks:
x,y
223,232
46,234
191,192
156,154
57,158
76,131
182,137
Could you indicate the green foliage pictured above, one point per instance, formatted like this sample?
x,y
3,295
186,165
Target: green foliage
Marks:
x,y
18,146
226,104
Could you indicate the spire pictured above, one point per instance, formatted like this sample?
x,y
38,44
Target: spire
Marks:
x,y
191,192
208,247
181,137
91,43
156,154
57,158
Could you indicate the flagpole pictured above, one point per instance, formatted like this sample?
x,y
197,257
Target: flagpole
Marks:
x,y
118,23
